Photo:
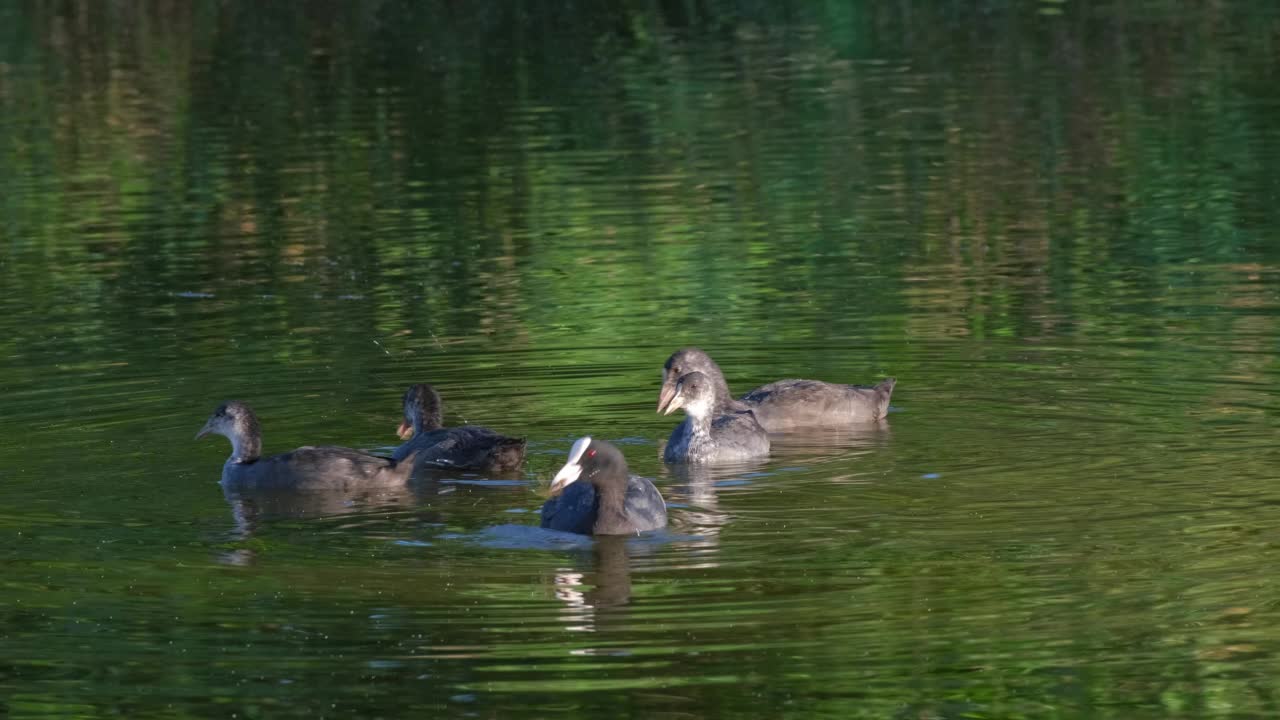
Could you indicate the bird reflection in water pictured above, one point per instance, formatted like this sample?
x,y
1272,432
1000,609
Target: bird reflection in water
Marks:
x,y
253,510
593,596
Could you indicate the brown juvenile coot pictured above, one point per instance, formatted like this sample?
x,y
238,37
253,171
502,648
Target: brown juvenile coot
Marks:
x,y
468,447
715,429
307,468
785,404
611,501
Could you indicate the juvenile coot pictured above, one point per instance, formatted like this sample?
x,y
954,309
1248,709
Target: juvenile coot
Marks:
x,y
610,502
785,404
464,448
307,468
715,429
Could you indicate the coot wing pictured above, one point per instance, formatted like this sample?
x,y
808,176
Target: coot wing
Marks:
x,y
645,507
738,435
788,404
315,468
468,447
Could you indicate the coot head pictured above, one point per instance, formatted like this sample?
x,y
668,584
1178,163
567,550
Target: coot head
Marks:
x,y
683,362
697,394
235,421
596,461
231,418
422,411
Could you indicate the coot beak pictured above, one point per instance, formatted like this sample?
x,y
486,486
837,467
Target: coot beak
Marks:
x,y
566,477
204,430
572,469
665,395
675,402
405,431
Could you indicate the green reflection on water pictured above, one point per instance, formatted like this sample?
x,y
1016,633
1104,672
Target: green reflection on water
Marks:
x,y
1055,228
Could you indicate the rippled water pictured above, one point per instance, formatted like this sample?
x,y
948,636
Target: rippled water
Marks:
x,y
1054,223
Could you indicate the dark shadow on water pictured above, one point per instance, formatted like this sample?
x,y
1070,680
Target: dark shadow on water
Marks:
x,y
532,537
607,574
521,537
254,510
695,488
597,577
251,509
818,445
433,474
595,583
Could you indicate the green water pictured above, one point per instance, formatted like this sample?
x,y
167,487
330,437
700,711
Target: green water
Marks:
x,y
1056,223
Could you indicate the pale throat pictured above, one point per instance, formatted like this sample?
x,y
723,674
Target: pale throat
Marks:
x,y
699,415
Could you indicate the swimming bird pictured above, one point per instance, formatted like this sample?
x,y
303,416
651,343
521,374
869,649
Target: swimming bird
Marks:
x,y
594,494
467,447
785,404
306,468
715,428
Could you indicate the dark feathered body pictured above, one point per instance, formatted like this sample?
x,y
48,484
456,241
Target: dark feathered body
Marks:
x,y
316,468
465,448
594,494
716,428
468,447
307,468
577,510
788,404
735,435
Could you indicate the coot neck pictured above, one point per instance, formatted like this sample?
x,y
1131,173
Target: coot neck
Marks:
x,y
427,419
720,405
611,507
722,387
246,443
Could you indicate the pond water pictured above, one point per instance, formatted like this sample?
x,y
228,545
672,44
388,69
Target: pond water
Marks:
x,y
1055,223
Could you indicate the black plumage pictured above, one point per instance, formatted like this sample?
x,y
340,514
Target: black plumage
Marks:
x,y
467,447
594,494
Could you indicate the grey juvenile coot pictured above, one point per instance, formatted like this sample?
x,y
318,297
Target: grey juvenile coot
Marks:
x,y
307,468
610,502
715,429
465,448
785,404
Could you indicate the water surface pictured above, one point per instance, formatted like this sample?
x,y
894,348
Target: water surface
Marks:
x,y
1054,223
